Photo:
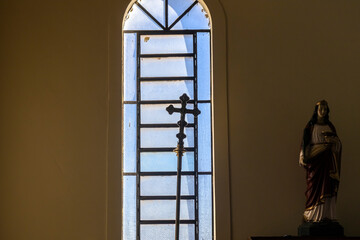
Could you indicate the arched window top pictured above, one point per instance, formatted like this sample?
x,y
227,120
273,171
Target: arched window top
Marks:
x,y
167,15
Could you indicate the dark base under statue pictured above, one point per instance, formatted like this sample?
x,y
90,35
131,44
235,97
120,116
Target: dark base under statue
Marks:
x,y
326,228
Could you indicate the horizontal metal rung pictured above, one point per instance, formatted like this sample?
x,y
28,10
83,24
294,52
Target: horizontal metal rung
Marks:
x,y
166,197
165,31
166,55
165,78
166,173
164,125
164,102
166,221
163,149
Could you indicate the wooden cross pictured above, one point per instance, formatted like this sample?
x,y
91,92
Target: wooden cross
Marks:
x,y
180,150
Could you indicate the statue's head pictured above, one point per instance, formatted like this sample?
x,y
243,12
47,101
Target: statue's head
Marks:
x,y
321,111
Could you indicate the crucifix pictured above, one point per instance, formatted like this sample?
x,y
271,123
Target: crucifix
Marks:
x,y
179,150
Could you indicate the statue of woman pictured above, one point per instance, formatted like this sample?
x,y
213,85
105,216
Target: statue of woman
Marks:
x,y
320,155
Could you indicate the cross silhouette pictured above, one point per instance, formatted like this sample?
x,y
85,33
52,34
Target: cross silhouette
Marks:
x,y
180,150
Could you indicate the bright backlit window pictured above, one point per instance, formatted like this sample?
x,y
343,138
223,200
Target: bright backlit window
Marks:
x,y
167,52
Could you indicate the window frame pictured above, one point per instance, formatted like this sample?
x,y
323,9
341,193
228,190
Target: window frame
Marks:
x,y
221,183
166,31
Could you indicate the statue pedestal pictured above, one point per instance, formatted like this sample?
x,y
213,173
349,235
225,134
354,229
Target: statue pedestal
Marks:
x,y
321,229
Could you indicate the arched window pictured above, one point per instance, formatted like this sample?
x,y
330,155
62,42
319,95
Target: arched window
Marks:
x,y
167,52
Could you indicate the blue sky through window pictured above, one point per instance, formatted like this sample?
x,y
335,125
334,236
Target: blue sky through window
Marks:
x,y
166,53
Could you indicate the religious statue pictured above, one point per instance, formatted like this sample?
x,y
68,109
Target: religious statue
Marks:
x,y
320,155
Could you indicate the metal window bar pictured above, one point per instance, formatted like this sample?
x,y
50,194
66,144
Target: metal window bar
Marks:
x,y
168,173
167,32
163,149
190,125
165,78
186,11
138,115
166,221
185,173
166,14
186,197
211,155
164,102
196,138
151,16
158,102
166,55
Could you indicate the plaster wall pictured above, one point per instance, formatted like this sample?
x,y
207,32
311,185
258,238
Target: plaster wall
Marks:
x,y
283,57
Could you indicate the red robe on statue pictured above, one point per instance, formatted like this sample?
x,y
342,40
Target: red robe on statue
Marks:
x,y
321,159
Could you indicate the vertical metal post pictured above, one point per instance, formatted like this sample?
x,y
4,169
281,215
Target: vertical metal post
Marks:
x,y
196,157
166,15
138,140
179,153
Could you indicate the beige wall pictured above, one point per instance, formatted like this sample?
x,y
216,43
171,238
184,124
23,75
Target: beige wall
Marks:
x,y
58,130
283,57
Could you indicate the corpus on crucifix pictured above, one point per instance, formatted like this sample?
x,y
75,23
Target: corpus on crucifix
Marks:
x,y
180,150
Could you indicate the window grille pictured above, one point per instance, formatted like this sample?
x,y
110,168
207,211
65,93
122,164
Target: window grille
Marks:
x,y
166,53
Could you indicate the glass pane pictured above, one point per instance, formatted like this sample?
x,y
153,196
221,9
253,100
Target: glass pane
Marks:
x,y
205,207
165,185
167,67
166,90
158,232
165,161
187,232
166,209
166,232
203,48
176,8
129,138
164,137
156,113
156,8
151,44
136,19
130,66
197,18
129,208
204,138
